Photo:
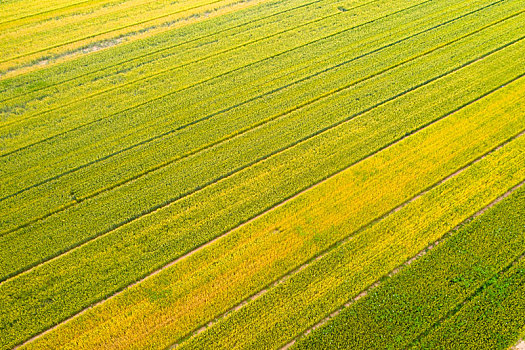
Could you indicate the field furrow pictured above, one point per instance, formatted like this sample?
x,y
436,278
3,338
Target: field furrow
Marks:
x,y
259,49
146,51
55,234
208,282
262,174
284,312
40,85
84,27
78,194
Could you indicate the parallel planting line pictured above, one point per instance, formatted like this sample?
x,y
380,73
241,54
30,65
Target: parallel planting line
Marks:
x,y
167,70
423,252
242,103
179,128
209,116
338,65
271,209
94,46
237,69
107,31
323,253
48,11
241,132
225,176
151,53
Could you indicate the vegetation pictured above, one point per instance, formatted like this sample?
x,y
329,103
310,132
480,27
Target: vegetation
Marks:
x,y
220,174
296,233
466,293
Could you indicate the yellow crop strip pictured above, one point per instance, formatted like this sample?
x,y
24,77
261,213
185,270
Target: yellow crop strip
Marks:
x,y
35,12
80,33
50,240
306,298
148,91
183,296
128,253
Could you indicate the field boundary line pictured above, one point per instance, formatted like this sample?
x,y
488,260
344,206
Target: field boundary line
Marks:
x,y
48,11
251,127
235,134
154,52
238,132
402,266
157,98
224,110
214,114
164,204
308,262
212,241
108,31
167,70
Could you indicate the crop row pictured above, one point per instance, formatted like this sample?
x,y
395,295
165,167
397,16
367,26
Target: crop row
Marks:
x,y
462,293
103,214
14,13
495,318
315,291
27,42
139,63
177,76
152,48
51,154
168,147
136,162
194,290
123,256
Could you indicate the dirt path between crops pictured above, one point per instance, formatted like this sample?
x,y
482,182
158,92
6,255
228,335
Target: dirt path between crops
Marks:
x,y
137,34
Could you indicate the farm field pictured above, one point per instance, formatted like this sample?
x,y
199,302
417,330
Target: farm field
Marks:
x,y
262,174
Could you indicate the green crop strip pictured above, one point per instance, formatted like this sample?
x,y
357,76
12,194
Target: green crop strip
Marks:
x,y
96,31
57,75
17,87
494,317
78,194
262,174
267,55
159,234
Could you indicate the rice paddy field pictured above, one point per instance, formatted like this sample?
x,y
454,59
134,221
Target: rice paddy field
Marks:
x,y
262,174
